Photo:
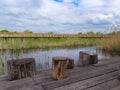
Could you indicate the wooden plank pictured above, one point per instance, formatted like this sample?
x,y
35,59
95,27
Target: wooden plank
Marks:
x,y
100,87
107,62
110,85
80,77
46,77
91,67
89,82
116,88
48,35
113,84
42,78
28,84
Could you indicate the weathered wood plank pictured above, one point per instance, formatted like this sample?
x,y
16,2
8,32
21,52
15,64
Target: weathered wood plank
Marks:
x,y
80,77
110,85
48,77
89,82
28,84
77,70
40,80
107,62
33,35
116,88
22,85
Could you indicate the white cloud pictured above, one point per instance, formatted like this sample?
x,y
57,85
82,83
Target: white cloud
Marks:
x,y
52,16
93,3
19,24
15,10
67,1
56,11
10,1
114,4
99,17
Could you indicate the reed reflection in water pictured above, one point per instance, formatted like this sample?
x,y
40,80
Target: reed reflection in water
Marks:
x,y
43,57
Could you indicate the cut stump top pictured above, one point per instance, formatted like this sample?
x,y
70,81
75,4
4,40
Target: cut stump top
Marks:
x,y
22,61
60,58
89,53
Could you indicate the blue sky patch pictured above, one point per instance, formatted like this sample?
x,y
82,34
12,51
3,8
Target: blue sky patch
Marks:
x,y
58,0
76,3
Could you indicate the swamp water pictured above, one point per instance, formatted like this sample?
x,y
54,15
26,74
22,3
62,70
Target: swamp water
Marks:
x,y
43,57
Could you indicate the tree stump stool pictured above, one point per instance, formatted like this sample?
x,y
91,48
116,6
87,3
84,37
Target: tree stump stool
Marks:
x,y
87,58
21,68
70,63
59,68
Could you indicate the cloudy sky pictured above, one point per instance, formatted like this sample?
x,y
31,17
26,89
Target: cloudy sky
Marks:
x,y
59,16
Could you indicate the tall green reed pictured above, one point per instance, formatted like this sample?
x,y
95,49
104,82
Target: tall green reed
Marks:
x,y
29,43
111,43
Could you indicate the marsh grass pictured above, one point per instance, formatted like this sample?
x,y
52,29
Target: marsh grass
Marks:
x,y
2,65
32,43
111,44
17,45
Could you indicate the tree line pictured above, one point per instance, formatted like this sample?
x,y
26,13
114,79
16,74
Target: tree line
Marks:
x,y
97,33
28,31
7,31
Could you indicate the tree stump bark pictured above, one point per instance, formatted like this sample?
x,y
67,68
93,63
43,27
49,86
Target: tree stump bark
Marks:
x,y
70,63
21,68
87,58
59,68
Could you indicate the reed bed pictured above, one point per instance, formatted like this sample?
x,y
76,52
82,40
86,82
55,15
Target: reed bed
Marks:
x,y
32,43
111,44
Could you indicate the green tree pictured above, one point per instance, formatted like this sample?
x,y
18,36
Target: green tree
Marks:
x,y
80,33
4,31
15,32
50,33
27,31
99,33
90,32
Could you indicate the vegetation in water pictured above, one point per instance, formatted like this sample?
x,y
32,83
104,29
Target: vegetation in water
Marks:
x,y
2,65
111,44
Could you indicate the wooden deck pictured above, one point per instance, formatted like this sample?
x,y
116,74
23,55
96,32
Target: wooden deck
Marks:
x,y
34,35
101,76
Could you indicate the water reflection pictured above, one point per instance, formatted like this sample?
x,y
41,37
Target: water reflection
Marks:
x,y
43,57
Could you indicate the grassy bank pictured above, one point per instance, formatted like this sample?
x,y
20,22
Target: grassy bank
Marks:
x,y
32,43
111,44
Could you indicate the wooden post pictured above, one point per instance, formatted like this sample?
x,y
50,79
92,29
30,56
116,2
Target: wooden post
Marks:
x,y
87,58
70,63
21,68
59,68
